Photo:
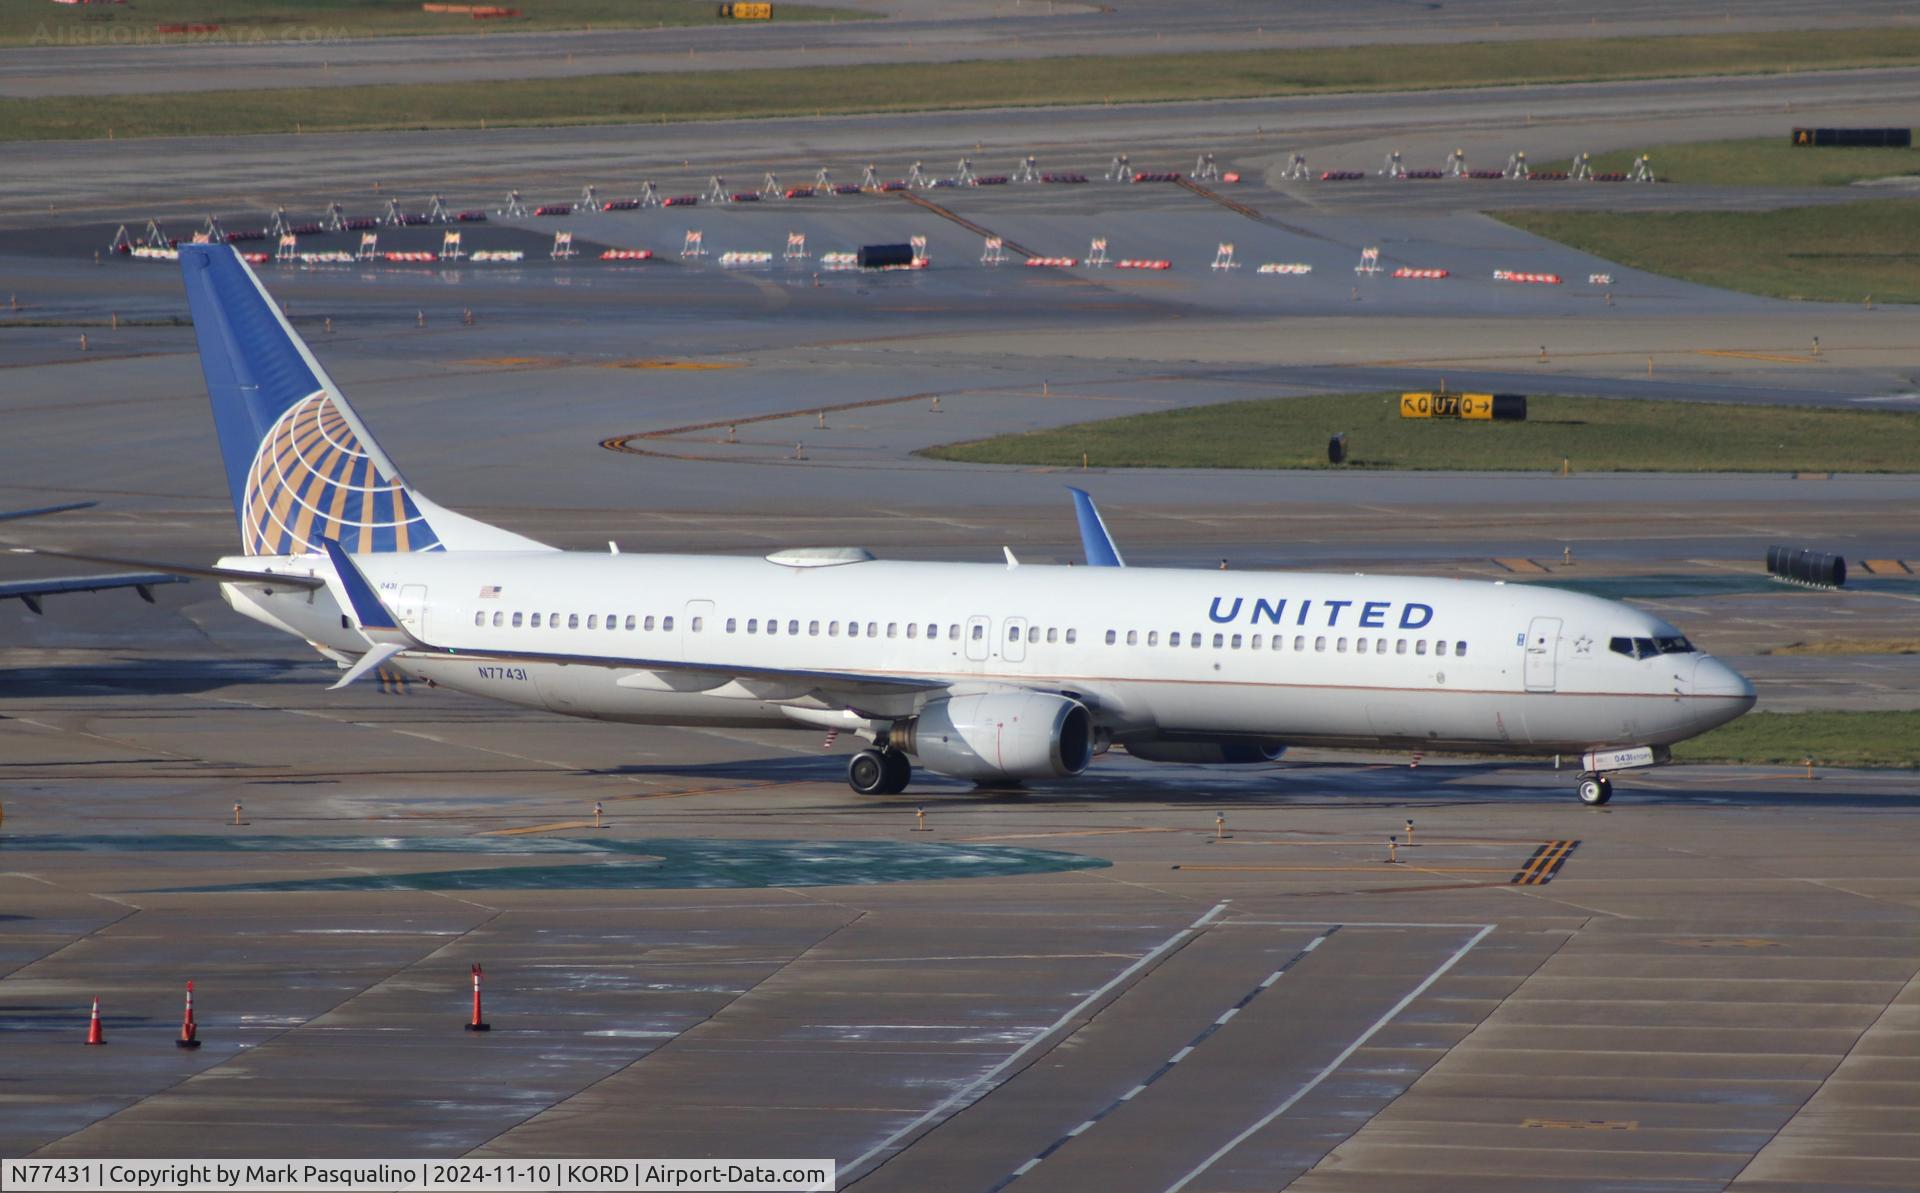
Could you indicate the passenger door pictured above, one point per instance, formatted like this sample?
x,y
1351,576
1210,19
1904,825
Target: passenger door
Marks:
x,y
410,610
1543,648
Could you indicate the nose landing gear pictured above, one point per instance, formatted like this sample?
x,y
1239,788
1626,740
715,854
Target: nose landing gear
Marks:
x,y
1594,790
879,772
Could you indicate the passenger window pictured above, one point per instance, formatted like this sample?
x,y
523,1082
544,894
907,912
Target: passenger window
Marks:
x,y
1236,642
1111,637
516,621
1279,641
730,625
913,629
893,629
1320,644
593,621
666,624
873,630
1173,639
696,624
753,625
613,621
1219,640
573,621
1072,637
853,629
1379,646
979,632
1133,637
1153,637
1340,647
1399,646
1459,648
1254,641
553,621
1299,641
813,629
833,629
1440,648
953,632
480,619
1196,640
793,628
1359,646
535,622
1013,633
629,621
649,623
1420,646
1053,635
1033,634
496,621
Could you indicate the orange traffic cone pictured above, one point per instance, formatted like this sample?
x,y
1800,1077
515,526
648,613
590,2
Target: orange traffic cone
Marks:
x,y
189,1030
94,1034
477,1024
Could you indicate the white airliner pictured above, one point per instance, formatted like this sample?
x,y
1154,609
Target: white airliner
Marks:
x,y
996,673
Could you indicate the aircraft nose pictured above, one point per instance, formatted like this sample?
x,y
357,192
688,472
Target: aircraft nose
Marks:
x,y
1711,677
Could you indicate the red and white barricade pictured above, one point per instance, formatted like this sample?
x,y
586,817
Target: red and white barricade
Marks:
x,y
1540,279
627,255
1143,263
1419,274
1285,267
1051,262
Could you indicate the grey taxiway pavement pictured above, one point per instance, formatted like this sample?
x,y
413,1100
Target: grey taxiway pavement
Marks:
x,y
128,60
1157,978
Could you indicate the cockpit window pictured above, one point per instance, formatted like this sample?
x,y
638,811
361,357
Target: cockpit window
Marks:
x,y
1646,648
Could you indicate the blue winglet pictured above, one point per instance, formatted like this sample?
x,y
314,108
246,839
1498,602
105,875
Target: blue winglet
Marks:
x,y
1094,539
368,609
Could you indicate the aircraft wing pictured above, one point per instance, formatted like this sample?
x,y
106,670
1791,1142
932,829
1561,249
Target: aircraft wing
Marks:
x,y
30,591
185,570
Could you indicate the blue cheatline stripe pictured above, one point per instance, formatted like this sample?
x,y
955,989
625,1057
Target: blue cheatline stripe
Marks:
x,y
1094,539
367,609
1166,1066
254,372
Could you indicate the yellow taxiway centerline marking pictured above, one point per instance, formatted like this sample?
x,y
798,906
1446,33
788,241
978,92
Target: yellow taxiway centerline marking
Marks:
x,y
537,828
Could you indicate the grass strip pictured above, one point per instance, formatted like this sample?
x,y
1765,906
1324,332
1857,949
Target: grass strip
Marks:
x,y
1594,434
1757,161
1870,739
619,99
313,22
1842,252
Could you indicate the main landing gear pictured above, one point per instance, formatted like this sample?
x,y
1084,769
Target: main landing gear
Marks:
x,y
879,772
1595,790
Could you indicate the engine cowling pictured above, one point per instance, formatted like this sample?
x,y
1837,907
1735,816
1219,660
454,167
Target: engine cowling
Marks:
x,y
1225,752
1000,735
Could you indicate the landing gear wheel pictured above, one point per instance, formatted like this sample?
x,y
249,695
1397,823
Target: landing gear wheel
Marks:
x,y
867,772
899,772
1595,790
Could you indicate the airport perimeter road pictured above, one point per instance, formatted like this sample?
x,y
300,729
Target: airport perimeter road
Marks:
x,y
125,180
916,32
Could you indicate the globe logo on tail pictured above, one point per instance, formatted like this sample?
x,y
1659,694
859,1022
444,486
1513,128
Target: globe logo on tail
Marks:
x,y
312,479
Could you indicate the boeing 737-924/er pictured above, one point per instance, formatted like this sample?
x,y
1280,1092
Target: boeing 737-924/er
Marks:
x,y
992,672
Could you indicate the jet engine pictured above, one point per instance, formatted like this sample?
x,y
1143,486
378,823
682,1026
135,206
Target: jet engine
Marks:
x,y
997,736
1222,752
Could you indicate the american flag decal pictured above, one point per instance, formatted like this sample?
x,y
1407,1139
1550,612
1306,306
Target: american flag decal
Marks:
x,y
490,592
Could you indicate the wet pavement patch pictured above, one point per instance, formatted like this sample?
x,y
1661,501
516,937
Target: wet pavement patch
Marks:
x,y
653,863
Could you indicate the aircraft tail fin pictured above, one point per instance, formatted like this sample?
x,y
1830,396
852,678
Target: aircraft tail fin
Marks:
x,y
300,464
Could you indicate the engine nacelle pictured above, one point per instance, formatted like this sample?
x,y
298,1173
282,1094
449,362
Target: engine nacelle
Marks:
x,y
1226,752
1000,735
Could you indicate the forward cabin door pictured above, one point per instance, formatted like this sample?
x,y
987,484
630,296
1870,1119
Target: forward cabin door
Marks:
x,y
977,638
1543,648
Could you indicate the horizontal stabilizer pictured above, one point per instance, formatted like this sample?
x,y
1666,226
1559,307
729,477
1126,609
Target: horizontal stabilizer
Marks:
x,y
191,571
370,661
